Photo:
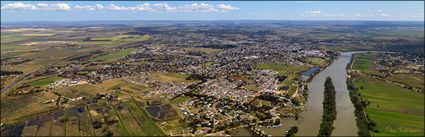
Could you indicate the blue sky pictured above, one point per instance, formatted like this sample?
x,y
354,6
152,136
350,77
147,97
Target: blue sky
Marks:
x,y
210,10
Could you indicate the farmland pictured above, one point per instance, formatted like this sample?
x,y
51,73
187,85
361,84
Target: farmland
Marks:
x,y
397,111
114,55
130,120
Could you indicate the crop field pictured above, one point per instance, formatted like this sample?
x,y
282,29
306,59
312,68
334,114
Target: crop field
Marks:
x,y
25,105
397,111
170,77
180,99
316,61
123,86
72,122
146,123
124,38
413,80
86,128
128,120
286,70
58,124
46,81
282,69
114,55
363,62
123,119
206,50
85,90
13,38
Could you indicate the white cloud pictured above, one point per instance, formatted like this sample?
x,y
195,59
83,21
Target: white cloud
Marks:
x,y
195,7
375,13
226,7
318,13
18,6
39,6
146,7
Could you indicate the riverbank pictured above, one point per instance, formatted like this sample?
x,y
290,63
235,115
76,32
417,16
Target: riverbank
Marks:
x,y
345,124
384,108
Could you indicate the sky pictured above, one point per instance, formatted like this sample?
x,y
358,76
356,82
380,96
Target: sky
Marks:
x,y
210,10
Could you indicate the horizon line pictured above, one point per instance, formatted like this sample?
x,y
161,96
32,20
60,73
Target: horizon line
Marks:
x,y
183,20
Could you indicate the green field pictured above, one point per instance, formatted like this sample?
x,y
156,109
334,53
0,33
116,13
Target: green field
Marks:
x,y
124,38
148,125
363,62
46,81
180,99
206,50
397,111
282,69
114,55
13,38
413,80
286,70
170,77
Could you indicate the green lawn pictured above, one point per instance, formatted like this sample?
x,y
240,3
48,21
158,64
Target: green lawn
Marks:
x,y
114,55
397,111
45,81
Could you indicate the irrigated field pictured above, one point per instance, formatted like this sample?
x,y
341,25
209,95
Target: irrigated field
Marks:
x,y
397,111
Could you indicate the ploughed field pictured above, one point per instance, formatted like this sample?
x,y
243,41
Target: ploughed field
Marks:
x,y
122,119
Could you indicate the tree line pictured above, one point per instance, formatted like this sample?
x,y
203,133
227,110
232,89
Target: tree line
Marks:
x,y
364,123
329,109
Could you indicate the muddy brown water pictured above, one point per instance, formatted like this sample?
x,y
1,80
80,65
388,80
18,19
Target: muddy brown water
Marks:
x,y
309,123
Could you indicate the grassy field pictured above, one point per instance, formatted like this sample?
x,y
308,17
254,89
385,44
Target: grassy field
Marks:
x,y
124,38
206,50
123,86
46,81
397,111
86,90
180,99
316,61
148,125
282,69
13,38
363,62
286,70
114,55
25,105
413,80
170,77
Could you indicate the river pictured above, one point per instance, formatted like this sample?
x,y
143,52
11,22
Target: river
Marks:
x,y
309,123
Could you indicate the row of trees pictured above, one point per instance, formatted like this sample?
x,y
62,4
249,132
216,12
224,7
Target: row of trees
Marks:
x,y
329,109
364,123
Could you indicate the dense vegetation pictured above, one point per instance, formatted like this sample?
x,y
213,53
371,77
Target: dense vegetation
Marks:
x,y
7,73
329,109
364,124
